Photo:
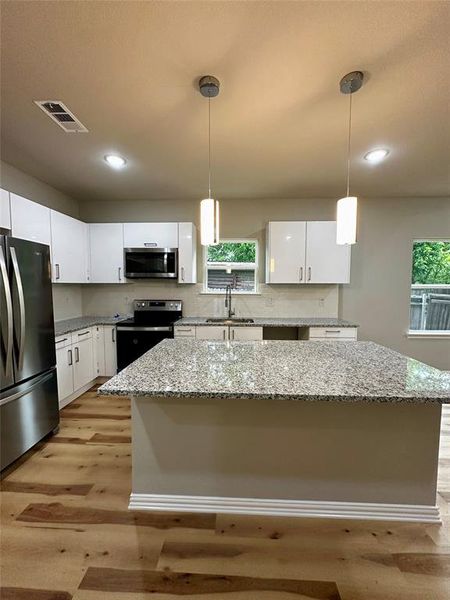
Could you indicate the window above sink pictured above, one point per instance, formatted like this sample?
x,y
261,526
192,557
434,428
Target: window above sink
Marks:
x,y
233,263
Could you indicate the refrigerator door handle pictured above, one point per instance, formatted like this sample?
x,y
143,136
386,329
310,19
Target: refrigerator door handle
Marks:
x,y
18,278
27,390
9,312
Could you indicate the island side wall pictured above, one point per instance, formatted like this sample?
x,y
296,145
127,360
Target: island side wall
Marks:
x,y
370,460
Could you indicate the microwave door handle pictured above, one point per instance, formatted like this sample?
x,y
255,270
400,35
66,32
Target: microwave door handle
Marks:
x,y
18,279
9,312
165,262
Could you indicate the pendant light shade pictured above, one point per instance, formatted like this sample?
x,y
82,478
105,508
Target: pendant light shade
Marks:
x,y
209,208
347,208
209,222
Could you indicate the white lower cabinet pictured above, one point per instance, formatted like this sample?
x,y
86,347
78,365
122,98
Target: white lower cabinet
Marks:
x,y
344,334
246,333
110,341
83,363
99,350
64,367
211,332
184,331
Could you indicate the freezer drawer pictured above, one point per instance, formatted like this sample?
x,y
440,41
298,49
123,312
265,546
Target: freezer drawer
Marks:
x,y
28,412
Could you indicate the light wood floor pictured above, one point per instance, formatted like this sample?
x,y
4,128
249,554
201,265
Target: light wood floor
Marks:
x,y
67,534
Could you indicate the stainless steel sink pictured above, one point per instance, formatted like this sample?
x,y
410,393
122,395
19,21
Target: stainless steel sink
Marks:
x,y
229,321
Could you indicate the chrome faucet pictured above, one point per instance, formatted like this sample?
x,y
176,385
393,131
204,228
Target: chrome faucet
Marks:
x,y
228,301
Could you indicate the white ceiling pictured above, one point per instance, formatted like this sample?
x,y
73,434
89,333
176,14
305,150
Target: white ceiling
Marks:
x,y
129,71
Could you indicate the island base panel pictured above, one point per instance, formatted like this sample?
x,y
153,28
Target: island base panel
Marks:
x,y
285,453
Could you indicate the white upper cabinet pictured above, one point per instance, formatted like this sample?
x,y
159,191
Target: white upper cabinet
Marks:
x,y
106,252
70,245
30,220
5,211
326,261
187,253
305,252
150,235
285,252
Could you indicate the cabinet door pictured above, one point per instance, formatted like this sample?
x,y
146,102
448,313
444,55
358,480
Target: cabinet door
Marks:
x,y
187,253
110,350
99,350
64,371
326,261
106,252
29,220
246,333
213,332
285,258
151,235
5,211
69,249
83,363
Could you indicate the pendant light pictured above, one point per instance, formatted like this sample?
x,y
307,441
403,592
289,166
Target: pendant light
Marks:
x,y
347,207
209,208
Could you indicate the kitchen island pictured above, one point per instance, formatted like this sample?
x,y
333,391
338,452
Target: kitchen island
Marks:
x,y
340,429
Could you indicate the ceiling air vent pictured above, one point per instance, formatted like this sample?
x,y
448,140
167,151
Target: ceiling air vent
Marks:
x,y
59,112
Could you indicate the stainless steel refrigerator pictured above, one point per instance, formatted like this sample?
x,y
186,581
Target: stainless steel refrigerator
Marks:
x,y
29,394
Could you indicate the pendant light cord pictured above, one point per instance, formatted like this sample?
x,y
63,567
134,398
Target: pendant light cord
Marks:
x,y
349,144
209,147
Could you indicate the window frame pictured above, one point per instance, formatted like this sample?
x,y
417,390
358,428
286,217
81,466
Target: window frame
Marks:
x,y
233,265
425,333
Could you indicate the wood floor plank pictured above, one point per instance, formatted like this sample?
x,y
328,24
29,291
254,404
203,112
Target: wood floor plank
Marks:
x,y
74,414
121,580
101,438
48,489
59,513
13,593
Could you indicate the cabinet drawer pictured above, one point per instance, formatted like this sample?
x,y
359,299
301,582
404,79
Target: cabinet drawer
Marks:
x,y
184,331
63,340
333,333
81,334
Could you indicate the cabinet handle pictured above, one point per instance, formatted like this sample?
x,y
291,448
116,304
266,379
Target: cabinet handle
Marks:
x,y
69,357
182,273
57,275
333,331
119,273
232,334
84,333
59,341
77,354
113,335
309,273
224,334
301,274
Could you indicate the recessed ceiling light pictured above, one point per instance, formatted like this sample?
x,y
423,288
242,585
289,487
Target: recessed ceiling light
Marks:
x,y
376,156
115,161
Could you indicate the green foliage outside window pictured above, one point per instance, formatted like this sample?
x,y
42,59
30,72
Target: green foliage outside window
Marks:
x,y
232,252
431,263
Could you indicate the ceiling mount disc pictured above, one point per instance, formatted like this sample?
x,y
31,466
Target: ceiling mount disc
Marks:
x,y
209,86
351,82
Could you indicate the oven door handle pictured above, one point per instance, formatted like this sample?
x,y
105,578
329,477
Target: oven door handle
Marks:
x,y
137,328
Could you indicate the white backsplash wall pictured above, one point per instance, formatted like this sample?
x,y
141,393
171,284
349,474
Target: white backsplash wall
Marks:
x,y
273,301
67,301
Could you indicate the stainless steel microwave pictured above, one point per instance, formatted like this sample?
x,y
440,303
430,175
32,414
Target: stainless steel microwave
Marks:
x,y
151,263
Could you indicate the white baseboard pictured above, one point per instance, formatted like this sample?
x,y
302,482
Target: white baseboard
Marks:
x,y
76,394
286,508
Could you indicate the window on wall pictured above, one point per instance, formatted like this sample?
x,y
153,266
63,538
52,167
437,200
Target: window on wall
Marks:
x,y
233,263
430,286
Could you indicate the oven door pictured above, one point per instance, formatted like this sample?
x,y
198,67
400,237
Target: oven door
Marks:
x,y
133,342
155,263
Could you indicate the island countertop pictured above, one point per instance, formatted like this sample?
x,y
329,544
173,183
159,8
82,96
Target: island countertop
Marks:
x,y
289,370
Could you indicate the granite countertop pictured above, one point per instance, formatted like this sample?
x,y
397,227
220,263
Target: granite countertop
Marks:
x,y
69,325
275,322
290,370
